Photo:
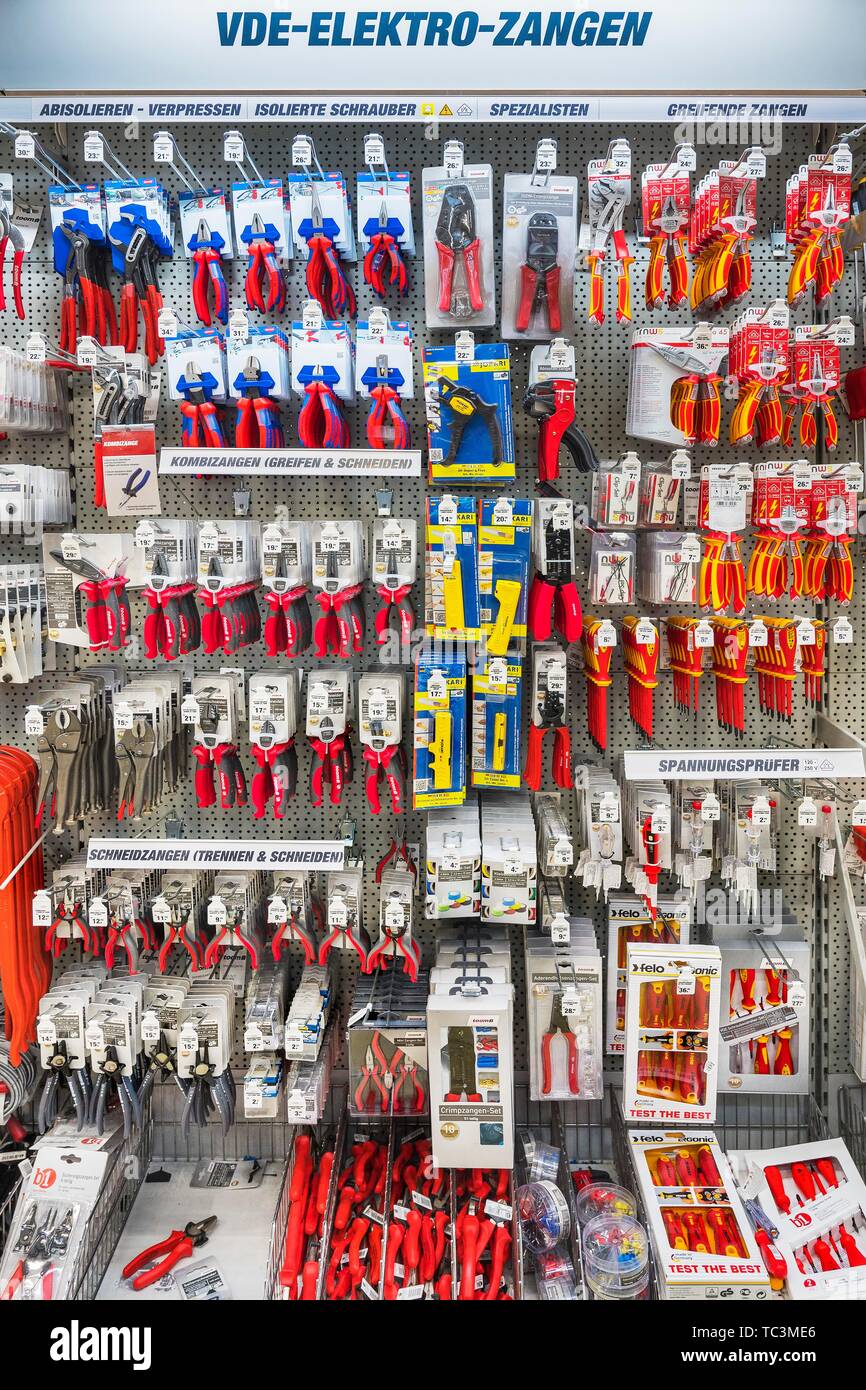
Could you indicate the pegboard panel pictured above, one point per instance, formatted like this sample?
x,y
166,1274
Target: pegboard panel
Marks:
x,y
602,363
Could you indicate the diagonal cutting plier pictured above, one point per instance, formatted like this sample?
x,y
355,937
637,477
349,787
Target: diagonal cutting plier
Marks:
x,y
387,426
258,425
206,247
201,426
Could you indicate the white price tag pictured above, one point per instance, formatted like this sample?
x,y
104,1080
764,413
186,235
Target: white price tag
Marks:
x,y
710,808
94,147
807,813
34,724
122,716
843,632
233,147
452,158
163,147
216,912
36,350
302,152
97,913
25,145
374,149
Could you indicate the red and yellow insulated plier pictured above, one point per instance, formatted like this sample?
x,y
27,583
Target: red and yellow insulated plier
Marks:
x,y
608,226
206,247
667,251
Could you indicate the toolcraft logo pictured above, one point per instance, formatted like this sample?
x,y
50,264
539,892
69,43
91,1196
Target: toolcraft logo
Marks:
x,y
77,1343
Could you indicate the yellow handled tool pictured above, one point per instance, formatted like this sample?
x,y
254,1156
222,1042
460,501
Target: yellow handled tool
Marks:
x,y
440,751
507,594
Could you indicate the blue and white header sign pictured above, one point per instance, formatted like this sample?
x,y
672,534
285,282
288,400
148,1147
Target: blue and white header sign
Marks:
x,y
299,46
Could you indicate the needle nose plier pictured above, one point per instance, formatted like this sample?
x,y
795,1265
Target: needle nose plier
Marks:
x,y
258,424
260,239
201,426
371,1089
206,247
465,406
384,234
326,280
558,1024
456,237
539,274
156,1261
10,235
135,483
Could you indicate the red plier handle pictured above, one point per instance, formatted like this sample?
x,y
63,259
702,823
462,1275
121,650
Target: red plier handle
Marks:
x,y
176,1247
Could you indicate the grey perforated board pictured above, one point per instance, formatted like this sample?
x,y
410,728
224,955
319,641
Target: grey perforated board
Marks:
x,y
602,358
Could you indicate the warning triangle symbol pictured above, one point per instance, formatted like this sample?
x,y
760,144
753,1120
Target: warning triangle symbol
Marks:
x,y
446,111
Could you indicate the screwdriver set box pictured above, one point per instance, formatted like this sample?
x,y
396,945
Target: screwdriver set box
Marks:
x,y
814,1198
671,1033
629,921
703,1243
766,1016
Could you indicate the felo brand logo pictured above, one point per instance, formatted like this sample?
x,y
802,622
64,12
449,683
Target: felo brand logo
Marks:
x,y
77,1343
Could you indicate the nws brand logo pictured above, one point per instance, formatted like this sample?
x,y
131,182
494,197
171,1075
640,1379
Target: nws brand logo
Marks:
x,y
44,1178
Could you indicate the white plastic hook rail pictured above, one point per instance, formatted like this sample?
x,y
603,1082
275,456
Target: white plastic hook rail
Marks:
x,y
95,148
374,155
304,154
38,153
166,151
235,152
